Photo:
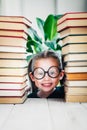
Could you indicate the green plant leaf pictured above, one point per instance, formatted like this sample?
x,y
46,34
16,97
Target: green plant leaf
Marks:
x,y
50,27
34,46
58,16
30,43
29,38
50,37
51,45
40,24
29,49
29,57
58,47
33,35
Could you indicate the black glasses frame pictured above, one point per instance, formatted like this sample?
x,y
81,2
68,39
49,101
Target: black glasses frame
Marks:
x,y
46,72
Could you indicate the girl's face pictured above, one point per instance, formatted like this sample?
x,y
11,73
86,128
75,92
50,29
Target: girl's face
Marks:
x,y
47,83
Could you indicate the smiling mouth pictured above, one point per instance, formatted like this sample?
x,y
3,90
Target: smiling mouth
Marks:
x,y
47,84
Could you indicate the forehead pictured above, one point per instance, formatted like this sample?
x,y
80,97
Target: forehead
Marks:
x,y
45,63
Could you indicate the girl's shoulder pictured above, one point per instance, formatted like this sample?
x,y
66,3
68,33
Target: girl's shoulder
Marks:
x,y
33,95
57,93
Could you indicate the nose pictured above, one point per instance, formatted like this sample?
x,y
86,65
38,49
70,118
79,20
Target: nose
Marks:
x,y
46,77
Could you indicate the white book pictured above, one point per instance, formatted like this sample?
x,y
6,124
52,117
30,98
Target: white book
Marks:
x,y
13,79
73,69
12,92
12,86
12,49
13,71
78,83
13,63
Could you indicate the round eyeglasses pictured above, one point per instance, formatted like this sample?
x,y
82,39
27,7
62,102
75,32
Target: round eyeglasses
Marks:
x,y
52,72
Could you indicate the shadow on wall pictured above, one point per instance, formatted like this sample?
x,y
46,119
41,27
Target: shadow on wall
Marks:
x,y
85,5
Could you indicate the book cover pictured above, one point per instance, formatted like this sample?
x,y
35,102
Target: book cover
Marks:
x,y
72,22
14,23
73,31
68,15
17,19
13,26
13,33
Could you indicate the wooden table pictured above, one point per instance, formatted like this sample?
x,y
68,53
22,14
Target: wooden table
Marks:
x,y
43,114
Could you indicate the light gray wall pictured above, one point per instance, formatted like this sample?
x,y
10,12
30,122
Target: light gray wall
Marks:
x,y
63,6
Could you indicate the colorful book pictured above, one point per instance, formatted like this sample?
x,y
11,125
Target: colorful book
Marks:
x,y
76,76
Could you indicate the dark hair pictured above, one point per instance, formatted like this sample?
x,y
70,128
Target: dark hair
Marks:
x,y
44,54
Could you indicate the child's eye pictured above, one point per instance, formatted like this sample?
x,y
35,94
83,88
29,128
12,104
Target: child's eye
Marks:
x,y
52,73
40,73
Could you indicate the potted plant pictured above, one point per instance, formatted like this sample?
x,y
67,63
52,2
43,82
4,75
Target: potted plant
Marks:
x,y
48,38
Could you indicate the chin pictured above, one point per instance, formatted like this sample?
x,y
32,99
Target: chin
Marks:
x,y
47,90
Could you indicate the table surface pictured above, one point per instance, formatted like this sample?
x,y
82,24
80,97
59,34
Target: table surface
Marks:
x,y
43,114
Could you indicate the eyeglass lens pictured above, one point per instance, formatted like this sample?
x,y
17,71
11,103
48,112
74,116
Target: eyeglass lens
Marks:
x,y
52,72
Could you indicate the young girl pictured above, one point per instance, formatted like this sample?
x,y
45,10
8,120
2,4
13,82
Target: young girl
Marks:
x,y
45,72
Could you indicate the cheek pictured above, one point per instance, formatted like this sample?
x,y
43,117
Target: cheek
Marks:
x,y
37,82
56,81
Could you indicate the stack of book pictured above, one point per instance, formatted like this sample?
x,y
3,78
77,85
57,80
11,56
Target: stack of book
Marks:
x,y
13,63
72,28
